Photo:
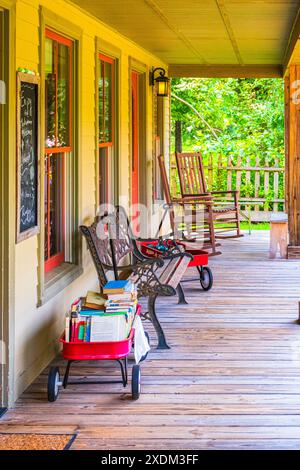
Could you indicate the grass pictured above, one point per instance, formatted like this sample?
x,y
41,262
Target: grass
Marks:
x,y
256,226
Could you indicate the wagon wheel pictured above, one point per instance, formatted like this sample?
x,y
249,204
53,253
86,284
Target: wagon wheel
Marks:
x,y
53,383
206,278
136,382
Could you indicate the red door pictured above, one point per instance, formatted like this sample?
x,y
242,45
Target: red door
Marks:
x,y
135,149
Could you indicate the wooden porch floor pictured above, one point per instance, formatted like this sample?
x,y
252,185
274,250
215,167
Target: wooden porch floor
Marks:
x,y
230,381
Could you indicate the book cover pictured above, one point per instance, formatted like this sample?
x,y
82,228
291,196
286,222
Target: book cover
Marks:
x,y
81,328
87,329
109,328
94,300
117,287
88,313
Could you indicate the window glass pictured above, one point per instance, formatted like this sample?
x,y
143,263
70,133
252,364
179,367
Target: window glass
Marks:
x,y
63,96
58,92
105,101
50,90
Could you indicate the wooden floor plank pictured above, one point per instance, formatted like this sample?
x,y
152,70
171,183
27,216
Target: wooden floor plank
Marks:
x,y
230,381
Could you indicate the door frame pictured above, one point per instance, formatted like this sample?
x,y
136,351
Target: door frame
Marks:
x,y
142,71
7,216
135,133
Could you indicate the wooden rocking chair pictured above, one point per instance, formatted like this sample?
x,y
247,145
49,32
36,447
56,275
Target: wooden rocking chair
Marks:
x,y
192,228
225,212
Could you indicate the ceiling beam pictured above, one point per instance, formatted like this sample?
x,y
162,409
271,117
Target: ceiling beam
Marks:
x,y
225,71
292,42
174,28
226,20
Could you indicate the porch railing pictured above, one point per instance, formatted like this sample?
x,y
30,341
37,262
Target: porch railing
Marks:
x,y
261,186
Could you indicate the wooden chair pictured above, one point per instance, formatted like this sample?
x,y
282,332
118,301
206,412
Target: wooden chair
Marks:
x,y
111,242
225,211
191,227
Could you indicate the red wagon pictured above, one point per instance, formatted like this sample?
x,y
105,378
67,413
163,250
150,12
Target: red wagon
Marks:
x,y
97,351
158,248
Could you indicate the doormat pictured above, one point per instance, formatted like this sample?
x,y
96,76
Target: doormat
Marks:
x,y
2,411
24,441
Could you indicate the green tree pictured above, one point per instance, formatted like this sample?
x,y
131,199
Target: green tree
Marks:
x,y
232,117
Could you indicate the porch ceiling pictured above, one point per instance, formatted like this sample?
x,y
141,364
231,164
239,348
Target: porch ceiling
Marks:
x,y
249,37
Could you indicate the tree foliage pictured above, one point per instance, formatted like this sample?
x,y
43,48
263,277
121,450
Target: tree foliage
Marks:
x,y
246,115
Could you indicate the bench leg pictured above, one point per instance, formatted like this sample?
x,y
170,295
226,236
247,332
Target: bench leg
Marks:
x,y
162,343
181,296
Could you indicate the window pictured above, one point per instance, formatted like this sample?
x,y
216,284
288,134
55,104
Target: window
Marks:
x,y
58,145
106,129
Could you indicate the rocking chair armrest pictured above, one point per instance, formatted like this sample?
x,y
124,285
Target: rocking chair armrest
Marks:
x,y
234,192
207,194
205,200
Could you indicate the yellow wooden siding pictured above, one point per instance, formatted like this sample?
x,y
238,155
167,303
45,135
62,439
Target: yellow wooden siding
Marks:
x,y
37,329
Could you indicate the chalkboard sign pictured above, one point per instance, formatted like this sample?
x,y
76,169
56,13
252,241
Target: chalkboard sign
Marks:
x,y
28,156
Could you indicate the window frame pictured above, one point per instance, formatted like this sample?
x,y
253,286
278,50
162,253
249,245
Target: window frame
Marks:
x,y
112,62
56,260
7,190
69,43
109,147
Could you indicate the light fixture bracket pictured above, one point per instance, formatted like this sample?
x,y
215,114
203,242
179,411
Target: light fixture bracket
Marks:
x,y
162,74
161,81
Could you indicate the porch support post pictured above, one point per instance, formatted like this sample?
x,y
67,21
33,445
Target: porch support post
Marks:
x,y
292,157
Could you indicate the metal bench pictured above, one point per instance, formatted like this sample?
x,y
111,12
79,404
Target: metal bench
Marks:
x,y
111,244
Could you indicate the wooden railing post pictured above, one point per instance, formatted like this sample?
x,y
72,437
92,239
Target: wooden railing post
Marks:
x,y
292,142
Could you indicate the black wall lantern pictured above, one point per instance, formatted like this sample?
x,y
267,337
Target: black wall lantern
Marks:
x,y
161,81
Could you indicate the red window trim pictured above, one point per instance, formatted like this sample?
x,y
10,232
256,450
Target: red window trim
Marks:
x,y
106,176
58,150
58,37
105,144
59,258
54,261
106,58
111,61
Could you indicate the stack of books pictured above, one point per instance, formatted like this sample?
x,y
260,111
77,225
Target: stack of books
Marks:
x,y
122,301
107,317
120,291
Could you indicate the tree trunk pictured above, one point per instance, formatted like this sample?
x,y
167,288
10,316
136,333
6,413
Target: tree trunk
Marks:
x,y
178,137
